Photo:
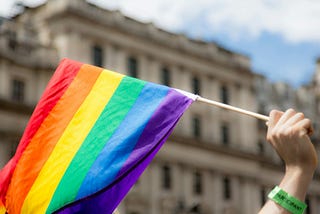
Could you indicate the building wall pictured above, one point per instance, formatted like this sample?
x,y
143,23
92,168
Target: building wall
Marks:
x,y
233,176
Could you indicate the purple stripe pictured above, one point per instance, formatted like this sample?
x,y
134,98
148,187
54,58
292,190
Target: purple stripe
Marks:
x,y
154,135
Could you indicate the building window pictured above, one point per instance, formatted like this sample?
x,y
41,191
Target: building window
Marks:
x,y
165,76
195,209
97,56
132,67
166,177
261,147
18,90
224,94
196,85
197,183
196,126
225,133
12,40
226,188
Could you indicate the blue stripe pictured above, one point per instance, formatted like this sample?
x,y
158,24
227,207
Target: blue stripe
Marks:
x,y
123,141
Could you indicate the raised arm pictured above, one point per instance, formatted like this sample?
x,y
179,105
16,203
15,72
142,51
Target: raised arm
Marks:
x,y
288,133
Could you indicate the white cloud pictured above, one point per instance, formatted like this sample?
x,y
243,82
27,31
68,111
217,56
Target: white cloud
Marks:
x,y
296,20
8,7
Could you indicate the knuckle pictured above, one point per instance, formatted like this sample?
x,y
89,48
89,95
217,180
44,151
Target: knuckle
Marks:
x,y
288,132
291,110
269,138
275,112
279,134
272,113
307,121
300,115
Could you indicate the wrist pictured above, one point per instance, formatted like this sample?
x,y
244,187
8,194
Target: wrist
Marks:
x,y
300,172
296,181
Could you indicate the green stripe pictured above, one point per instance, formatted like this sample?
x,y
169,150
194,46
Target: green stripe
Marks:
x,y
111,117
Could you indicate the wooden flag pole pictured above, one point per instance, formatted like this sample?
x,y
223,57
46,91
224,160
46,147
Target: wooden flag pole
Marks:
x,y
232,108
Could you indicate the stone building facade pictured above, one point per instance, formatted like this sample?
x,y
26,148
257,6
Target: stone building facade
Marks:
x,y
215,161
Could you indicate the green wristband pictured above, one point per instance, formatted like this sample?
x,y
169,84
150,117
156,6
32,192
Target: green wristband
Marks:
x,y
290,203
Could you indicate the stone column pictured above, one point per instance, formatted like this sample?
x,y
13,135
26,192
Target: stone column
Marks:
x,y
154,189
42,79
248,126
74,46
209,192
109,57
120,61
214,112
207,111
143,68
181,80
154,70
236,193
217,199
4,80
250,197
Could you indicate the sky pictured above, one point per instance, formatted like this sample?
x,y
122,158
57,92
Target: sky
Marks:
x,y
281,37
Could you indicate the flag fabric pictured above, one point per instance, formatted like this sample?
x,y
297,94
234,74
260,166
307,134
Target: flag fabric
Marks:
x,y
90,137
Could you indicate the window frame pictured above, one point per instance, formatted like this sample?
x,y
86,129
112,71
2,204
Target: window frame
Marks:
x,y
132,66
18,90
97,55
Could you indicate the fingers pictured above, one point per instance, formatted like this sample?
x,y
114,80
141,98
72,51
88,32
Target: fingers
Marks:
x,y
274,118
294,119
289,122
304,127
285,117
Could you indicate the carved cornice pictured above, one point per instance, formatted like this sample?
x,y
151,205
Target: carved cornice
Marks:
x,y
20,108
149,32
27,54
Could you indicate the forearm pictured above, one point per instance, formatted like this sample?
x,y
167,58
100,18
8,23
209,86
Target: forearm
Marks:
x,y
296,183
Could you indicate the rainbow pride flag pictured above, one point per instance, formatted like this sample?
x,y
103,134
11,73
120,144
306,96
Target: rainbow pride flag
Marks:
x,y
88,140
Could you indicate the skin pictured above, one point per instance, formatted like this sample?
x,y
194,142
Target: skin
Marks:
x,y
288,133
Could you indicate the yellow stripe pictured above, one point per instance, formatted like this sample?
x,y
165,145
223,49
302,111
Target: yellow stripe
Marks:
x,y
2,210
42,191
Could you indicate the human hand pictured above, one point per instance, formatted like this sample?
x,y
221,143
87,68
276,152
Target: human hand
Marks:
x,y
288,134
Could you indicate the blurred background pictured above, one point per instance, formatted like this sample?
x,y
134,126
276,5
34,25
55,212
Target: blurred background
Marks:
x,y
257,55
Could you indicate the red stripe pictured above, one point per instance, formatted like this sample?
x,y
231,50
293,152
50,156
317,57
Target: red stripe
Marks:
x,y
57,86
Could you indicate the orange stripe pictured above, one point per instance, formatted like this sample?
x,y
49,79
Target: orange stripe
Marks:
x,y
44,141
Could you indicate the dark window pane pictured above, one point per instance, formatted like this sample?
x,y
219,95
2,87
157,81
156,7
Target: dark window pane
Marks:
x,y
132,67
166,177
165,76
261,147
224,94
196,126
17,90
196,85
97,56
197,183
225,134
226,188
